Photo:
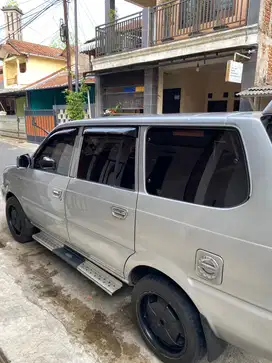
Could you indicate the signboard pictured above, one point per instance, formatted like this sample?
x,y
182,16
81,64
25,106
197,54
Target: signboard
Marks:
x,y
234,72
140,89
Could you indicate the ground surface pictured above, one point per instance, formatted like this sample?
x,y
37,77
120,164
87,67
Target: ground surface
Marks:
x,y
51,313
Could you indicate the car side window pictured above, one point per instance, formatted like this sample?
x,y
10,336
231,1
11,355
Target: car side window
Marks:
x,y
59,147
201,166
108,159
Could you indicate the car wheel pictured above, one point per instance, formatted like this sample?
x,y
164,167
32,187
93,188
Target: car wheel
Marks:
x,y
18,223
168,321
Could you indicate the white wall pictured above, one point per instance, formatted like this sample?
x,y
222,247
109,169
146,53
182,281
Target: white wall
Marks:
x,y
195,86
37,68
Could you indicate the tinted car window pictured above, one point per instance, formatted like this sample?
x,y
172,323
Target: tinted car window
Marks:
x,y
201,166
108,159
59,148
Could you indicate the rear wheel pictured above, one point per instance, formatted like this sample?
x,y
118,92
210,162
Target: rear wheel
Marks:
x,y
18,223
168,321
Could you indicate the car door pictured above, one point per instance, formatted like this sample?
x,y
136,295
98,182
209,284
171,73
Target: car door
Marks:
x,y
101,200
44,188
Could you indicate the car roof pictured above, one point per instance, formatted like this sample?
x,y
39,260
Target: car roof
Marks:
x,y
168,120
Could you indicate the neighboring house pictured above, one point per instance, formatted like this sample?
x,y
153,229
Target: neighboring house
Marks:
x,y
172,56
48,92
47,104
25,63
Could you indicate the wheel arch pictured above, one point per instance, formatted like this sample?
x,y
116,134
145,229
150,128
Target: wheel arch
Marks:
x,y
215,346
9,195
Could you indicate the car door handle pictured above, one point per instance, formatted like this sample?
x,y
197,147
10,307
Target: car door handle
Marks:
x,y
118,212
57,193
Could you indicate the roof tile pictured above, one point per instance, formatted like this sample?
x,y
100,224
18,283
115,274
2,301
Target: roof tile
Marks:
x,y
18,47
55,80
257,91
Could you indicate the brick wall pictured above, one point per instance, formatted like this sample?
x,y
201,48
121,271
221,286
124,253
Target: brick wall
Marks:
x,y
264,62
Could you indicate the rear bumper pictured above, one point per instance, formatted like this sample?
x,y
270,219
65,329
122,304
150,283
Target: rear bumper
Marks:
x,y
235,321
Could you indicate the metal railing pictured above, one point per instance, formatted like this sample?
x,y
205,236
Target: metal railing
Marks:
x,y
178,18
120,35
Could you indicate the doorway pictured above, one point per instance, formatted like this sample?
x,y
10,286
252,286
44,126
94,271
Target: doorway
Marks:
x,y
171,100
217,106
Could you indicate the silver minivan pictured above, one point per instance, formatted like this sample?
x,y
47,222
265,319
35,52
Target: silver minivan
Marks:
x,y
178,206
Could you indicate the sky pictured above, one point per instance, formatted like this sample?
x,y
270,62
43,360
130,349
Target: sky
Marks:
x,y
46,28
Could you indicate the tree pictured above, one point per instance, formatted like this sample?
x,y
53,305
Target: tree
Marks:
x,y
57,43
76,102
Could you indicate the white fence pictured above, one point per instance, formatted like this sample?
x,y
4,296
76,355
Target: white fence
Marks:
x,y
13,126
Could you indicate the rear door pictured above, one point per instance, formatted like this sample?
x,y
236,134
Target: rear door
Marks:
x,y
101,200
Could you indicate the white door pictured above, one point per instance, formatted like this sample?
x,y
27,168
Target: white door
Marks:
x,y
45,186
101,201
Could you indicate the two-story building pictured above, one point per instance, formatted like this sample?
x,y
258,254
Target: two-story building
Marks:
x,y
173,56
25,63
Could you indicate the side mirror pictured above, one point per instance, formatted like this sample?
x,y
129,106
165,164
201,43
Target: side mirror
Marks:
x,y
47,163
23,161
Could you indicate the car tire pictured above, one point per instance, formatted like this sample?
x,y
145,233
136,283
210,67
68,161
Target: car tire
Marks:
x,y
168,321
18,223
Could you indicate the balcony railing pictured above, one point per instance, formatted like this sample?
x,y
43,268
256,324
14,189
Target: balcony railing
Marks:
x,y
180,18
121,35
172,20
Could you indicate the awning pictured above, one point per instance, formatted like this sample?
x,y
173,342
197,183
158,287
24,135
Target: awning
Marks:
x,y
262,91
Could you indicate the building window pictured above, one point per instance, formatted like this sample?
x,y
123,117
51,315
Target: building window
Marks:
x,y
225,95
22,67
200,166
236,105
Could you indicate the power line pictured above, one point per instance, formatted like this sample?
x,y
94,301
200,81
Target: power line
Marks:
x,y
80,27
88,13
28,14
50,36
38,14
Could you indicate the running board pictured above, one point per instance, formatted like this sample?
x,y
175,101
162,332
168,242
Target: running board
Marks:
x,y
47,241
100,277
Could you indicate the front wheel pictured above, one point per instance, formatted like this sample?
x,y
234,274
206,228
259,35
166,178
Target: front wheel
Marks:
x,y
168,321
18,223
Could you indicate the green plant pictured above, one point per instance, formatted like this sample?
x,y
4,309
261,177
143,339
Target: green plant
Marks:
x,y
76,102
113,15
11,3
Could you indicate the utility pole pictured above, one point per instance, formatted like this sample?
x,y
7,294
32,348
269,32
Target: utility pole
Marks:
x,y
68,50
76,47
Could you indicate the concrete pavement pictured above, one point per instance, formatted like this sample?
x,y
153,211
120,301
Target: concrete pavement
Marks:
x,y
51,313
